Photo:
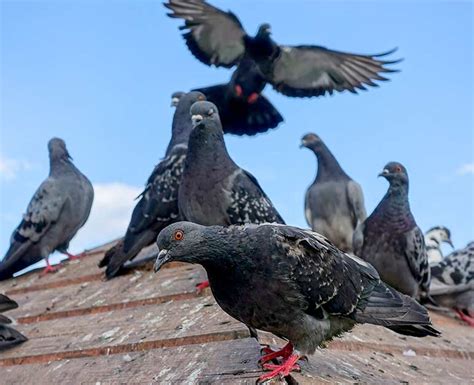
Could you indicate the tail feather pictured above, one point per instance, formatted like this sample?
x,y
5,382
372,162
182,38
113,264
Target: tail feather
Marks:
x,y
16,259
7,303
398,312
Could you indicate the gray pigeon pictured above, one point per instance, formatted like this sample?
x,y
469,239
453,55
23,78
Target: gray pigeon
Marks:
x,y
214,190
452,282
434,237
334,203
291,282
9,337
59,208
391,241
158,206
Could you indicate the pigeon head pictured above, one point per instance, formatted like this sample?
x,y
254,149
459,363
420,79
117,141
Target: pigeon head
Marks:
x,y
311,141
439,234
57,150
203,112
395,173
175,97
181,241
264,30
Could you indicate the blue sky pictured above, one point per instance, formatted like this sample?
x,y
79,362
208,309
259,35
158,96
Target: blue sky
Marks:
x,y
100,74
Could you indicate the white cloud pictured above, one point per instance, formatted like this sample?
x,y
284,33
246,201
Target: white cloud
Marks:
x,y
111,212
9,168
466,169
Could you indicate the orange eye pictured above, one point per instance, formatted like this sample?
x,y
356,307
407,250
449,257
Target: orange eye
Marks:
x,y
178,235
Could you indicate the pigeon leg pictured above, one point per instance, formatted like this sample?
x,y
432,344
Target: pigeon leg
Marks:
x,y
270,354
252,98
48,268
466,318
282,370
201,286
72,257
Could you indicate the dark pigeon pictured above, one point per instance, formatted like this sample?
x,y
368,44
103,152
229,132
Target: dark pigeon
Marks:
x,y
214,190
291,282
218,38
452,282
59,208
434,237
334,203
9,337
391,241
158,206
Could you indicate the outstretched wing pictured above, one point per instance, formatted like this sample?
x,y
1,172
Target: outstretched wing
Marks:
x,y
305,71
214,37
249,203
43,211
415,253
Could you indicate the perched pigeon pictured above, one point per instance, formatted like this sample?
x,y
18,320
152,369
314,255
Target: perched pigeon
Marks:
x,y
9,337
334,203
158,206
452,282
214,190
433,239
59,208
291,282
391,241
217,38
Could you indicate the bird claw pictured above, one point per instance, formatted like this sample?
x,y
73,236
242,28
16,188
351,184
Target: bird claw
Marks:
x,y
73,257
201,286
271,354
466,318
282,370
49,269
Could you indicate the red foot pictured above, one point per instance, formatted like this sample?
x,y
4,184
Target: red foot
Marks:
x,y
252,98
282,370
201,286
270,354
49,269
467,319
72,257
238,90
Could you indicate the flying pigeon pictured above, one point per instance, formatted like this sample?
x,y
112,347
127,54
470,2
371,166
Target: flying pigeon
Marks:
x,y
334,203
452,282
9,337
158,206
59,208
391,241
433,239
217,38
291,282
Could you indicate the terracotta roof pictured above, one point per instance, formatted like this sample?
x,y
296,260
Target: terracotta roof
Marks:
x,y
154,329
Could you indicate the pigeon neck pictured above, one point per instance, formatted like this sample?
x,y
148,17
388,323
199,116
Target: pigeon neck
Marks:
x,y
328,166
60,166
181,128
207,151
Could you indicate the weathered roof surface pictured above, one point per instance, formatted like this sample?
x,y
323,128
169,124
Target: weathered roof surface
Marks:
x,y
154,329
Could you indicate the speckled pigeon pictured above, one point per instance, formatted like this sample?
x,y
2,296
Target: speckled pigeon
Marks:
x,y
391,241
158,206
334,203
214,190
58,209
218,38
9,337
291,282
452,282
434,237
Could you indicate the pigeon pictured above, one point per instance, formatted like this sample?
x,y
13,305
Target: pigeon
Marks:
x,y
391,241
452,282
58,209
291,282
433,239
334,203
158,206
9,337
218,38
242,107
214,190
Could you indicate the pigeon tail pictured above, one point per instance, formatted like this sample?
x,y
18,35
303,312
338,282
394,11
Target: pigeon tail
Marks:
x,y
396,311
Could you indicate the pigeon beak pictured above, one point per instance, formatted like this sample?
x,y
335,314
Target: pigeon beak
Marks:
x,y
303,144
450,243
174,102
163,257
385,172
196,119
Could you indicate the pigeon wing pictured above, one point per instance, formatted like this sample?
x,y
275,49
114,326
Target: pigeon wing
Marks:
x,y
214,37
305,71
355,197
415,253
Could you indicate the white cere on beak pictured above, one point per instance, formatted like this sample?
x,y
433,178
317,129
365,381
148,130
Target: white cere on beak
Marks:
x,y
385,171
174,102
196,119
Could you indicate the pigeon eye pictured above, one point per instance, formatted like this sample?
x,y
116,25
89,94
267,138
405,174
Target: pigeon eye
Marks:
x,y
178,235
398,169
